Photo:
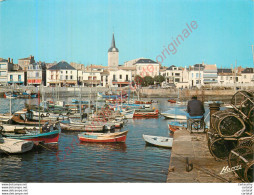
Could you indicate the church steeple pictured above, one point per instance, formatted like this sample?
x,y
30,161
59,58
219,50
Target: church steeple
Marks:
x,y
113,45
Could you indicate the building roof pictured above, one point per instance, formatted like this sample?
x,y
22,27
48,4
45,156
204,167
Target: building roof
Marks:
x,y
145,61
248,70
3,60
113,45
25,58
62,65
224,70
126,68
211,67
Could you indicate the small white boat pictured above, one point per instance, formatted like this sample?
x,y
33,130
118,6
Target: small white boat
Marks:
x,y
174,116
166,142
128,114
14,146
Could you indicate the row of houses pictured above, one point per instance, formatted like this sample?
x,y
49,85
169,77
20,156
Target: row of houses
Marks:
x,y
29,72
207,75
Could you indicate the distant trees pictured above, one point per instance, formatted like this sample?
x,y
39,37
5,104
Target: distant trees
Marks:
x,y
148,80
159,79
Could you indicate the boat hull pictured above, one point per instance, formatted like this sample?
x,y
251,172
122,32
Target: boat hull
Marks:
x,y
14,146
165,142
173,116
47,138
103,138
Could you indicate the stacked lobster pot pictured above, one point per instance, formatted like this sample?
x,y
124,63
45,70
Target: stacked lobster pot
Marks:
x,y
229,128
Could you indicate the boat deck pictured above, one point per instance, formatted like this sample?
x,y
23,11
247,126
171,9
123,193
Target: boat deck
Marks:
x,y
205,168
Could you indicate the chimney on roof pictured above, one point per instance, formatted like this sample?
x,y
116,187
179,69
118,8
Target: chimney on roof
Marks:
x,y
12,60
9,60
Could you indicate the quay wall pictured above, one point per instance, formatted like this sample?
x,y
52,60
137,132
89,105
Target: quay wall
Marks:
x,y
191,161
186,94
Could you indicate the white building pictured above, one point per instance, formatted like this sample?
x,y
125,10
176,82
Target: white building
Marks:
x,y
147,67
36,74
92,75
5,66
247,75
61,74
210,74
120,78
195,75
16,77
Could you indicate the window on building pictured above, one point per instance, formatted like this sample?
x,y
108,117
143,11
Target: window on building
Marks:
x,y
61,72
94,78
19,77
52,77
196,75
11,77
71,77
177,74
192,75
71,72
66,77
120,76
101,78
244,76
114,77
61,77
127,77
89,78
66,72
177,80
37,74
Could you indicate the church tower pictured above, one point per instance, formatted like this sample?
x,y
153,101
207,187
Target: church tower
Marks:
x,y
113,55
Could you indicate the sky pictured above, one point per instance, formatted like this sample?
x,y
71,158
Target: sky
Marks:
x,y
81,31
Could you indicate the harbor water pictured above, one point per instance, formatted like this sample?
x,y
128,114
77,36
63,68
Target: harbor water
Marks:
x,y
72,161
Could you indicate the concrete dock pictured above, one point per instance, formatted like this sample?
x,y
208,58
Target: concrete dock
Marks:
x,y
205,168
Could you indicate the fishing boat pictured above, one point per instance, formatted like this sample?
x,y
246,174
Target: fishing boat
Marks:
x,y
174,116
103,137
49,135
10,95
144,114
128,114
143,102
171,101
14,146
177,114
158,141
26,118
108,96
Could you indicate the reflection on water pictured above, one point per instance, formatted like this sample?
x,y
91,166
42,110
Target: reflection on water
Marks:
x,y
72,161
100,147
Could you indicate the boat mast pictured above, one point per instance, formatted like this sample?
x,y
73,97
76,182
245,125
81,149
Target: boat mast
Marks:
x,y
39,108
80,89
10,105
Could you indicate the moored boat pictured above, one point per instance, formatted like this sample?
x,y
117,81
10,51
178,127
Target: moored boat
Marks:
x,y
138,114
14,146
103,137
172,101
50,134
158,141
